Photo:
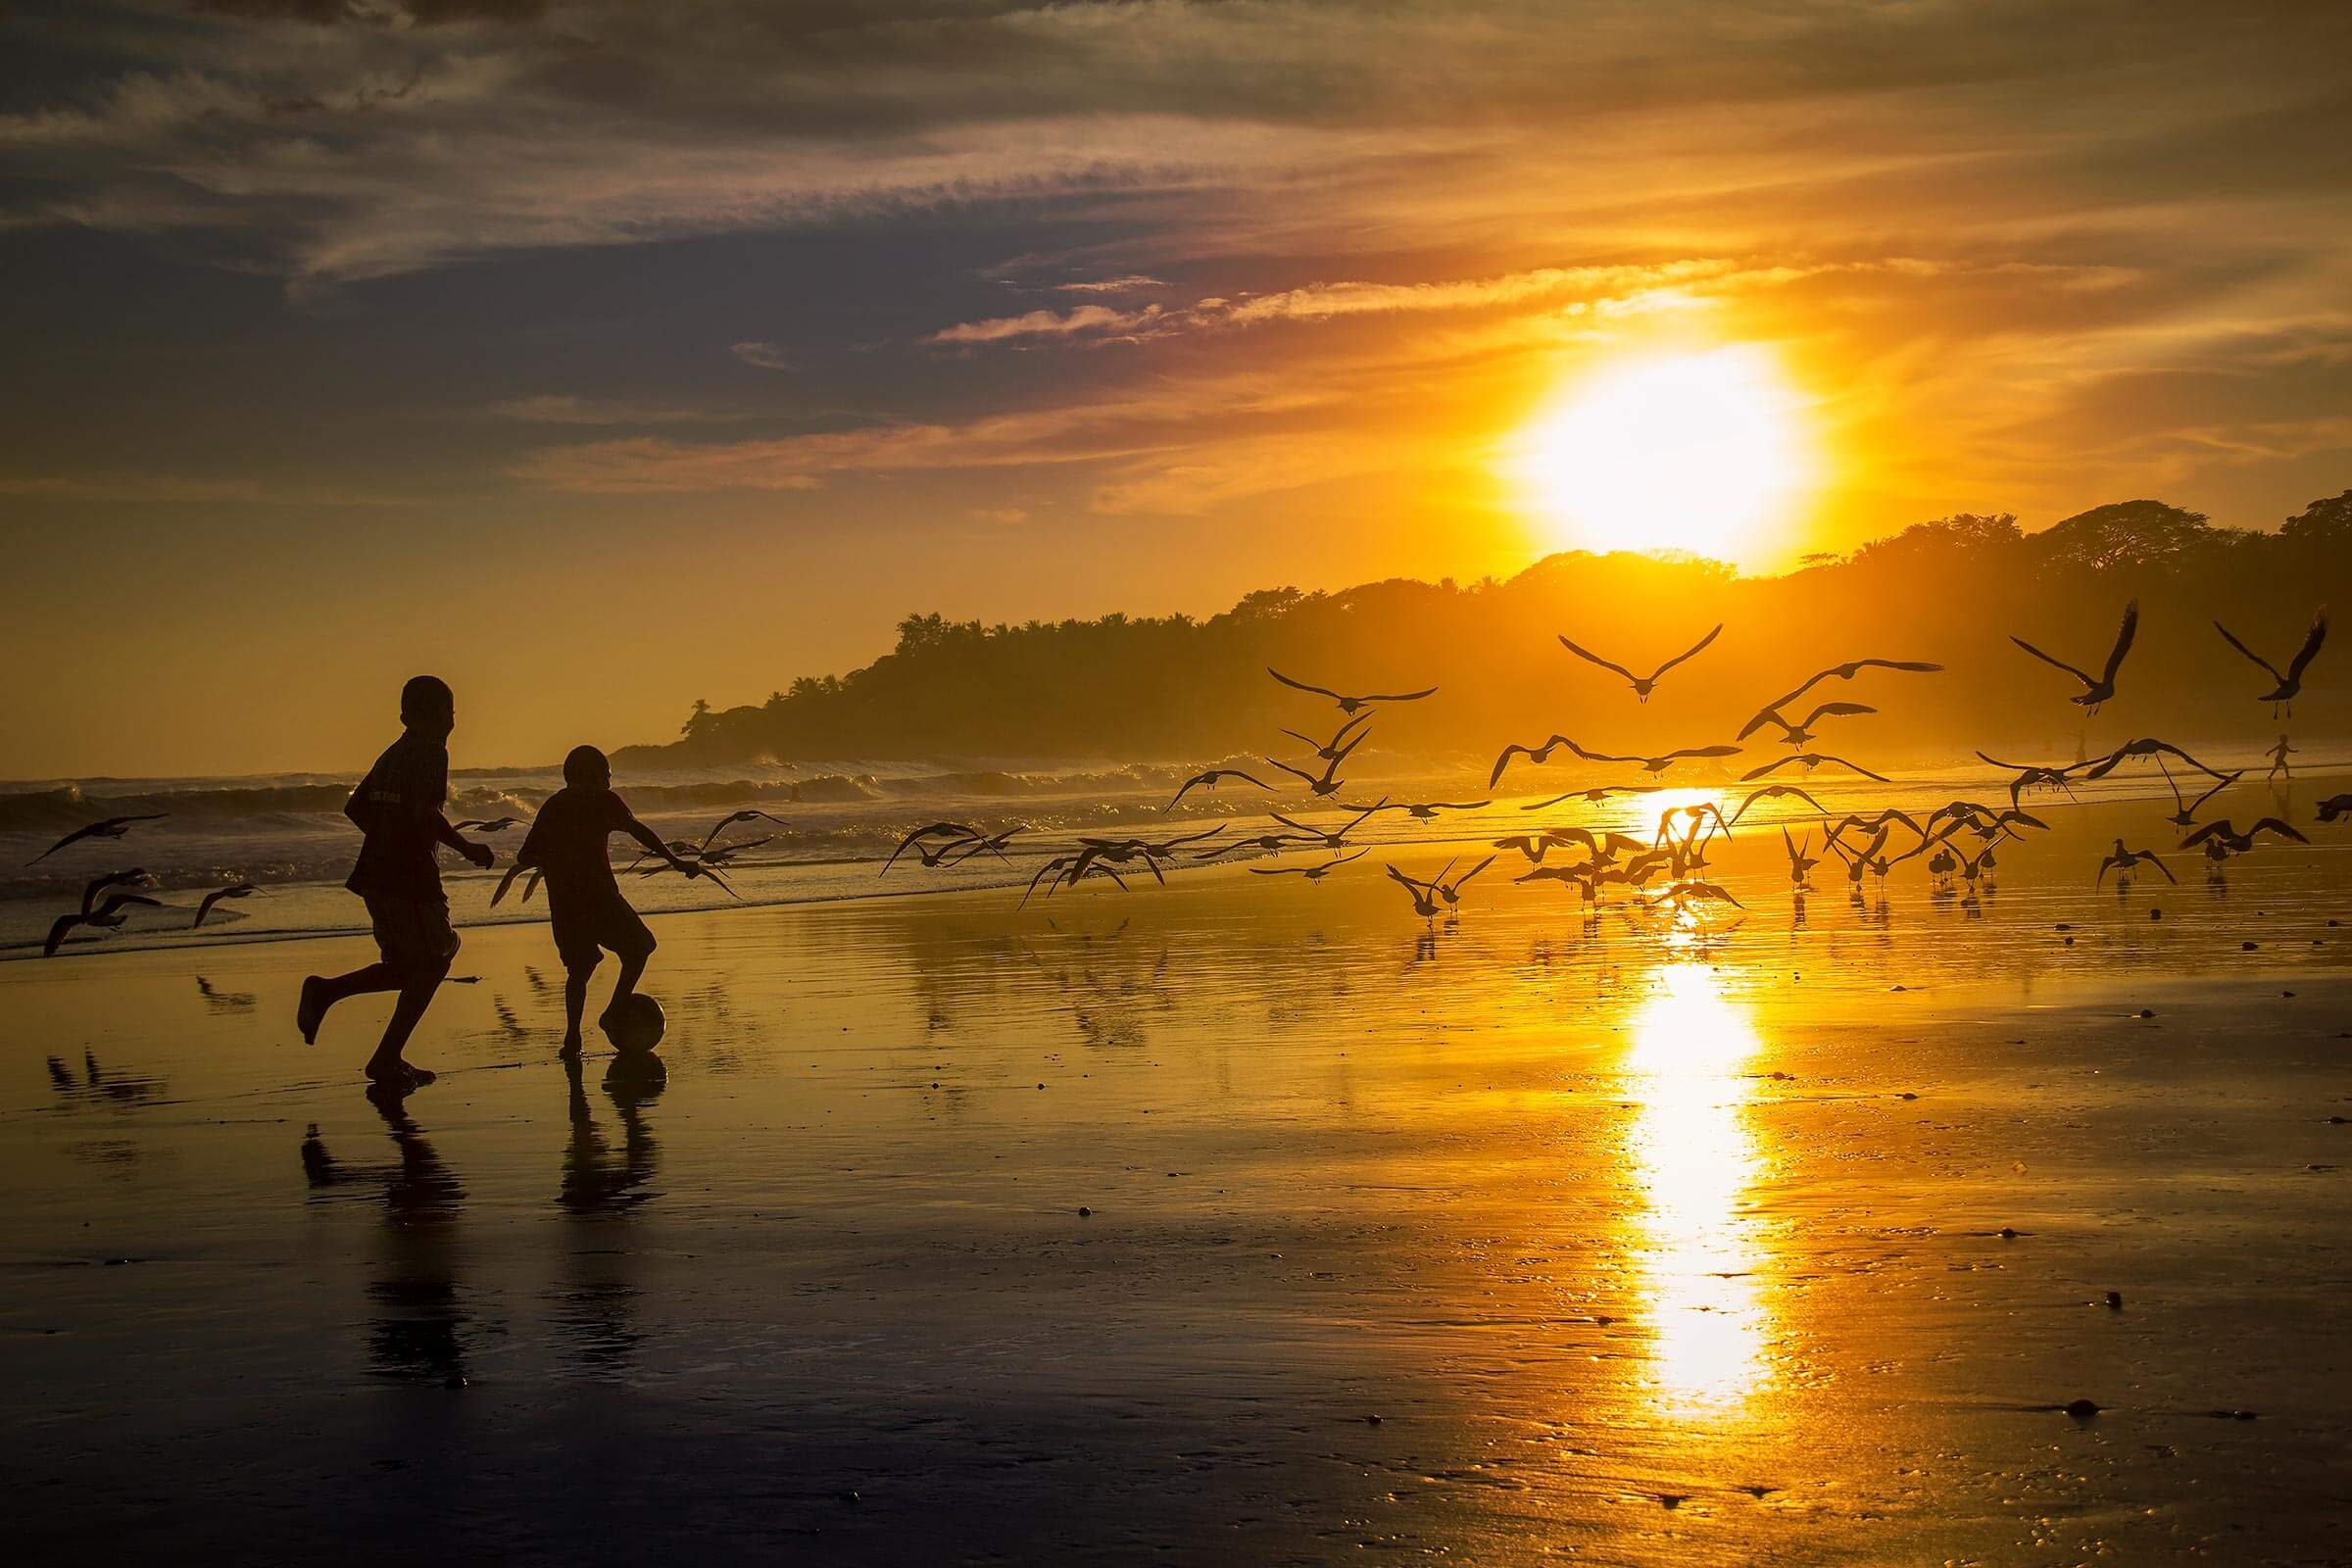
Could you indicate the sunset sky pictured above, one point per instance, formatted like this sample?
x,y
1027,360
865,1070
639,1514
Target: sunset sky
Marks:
x,y
600,357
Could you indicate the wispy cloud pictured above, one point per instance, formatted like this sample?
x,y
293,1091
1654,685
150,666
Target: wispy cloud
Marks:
x,y
1048,323
565,409
765,355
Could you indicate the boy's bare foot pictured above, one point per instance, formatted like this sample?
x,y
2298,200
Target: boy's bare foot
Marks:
x,y
311,1012
396,1074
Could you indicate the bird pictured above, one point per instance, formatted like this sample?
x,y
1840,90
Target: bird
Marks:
x,y
2290,683
114,827
1422,810
1845,671
994,843
948,830
1313,873
1210,780
1655,765
2146,746
2120,860
1809,760
2225,834
1351,704
136,876
2031,776
1336,746
1800,864
1423,894
1771,791
748,814
2187,813
1452,892
1324,784
1324,836
235,890
2334,805
1067,871
108,914
1534,754
1643,685
476,824
1801,731
1595,796
2099,688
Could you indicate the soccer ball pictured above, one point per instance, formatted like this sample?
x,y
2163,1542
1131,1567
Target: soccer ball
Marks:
x,y
635,1027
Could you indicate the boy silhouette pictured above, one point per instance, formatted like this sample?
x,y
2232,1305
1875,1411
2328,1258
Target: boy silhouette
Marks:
x,y
566,843
397,807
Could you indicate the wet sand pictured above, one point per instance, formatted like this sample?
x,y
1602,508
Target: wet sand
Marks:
x,y
1507,1239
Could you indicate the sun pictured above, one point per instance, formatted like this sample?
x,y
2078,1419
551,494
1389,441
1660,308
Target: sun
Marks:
x,y
1698,452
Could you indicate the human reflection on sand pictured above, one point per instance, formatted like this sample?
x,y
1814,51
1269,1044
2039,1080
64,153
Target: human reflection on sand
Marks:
x,y
1692,1160
597,1301
418,1317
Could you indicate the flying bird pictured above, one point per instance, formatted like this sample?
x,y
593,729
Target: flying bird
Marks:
x,y
2032,776
108,915
1655,765
1313,873
1845,671
1338,745
2185,813
1452,892
1808,760
1801,731
2099,688
1423,894
2291,682
2146,746
1422,810
1643,685
1209,781
2333,807
936,830
2225,834
1351,704
1320,785
749,815
2120,862
235,890
1771,791
1595,796
1800,864
114,827
476,824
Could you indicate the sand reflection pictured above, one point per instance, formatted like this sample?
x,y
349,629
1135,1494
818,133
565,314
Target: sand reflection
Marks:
x,y
1693,1160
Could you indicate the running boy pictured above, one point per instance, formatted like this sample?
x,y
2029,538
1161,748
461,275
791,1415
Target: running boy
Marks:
x,y
397,807
566,843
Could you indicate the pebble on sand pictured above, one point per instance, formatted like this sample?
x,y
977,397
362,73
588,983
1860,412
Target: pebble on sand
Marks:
x,y
2115,1301
2147,1012
2081,1409
1085,1213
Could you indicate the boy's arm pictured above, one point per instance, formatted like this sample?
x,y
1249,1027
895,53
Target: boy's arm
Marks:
x,y
653,843
436,822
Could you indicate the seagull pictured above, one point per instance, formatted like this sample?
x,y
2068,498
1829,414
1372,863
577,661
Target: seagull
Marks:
x,y
1351,704
1313,873
235,890
1323,836
1066,871
114,827
2146,746
1338,745
1423,894
2187,814
1534,754
1770,791
2225,834
1845,671
1422,810
1210,780
1801,731
1452,892
2291,682
108,914
136,876
1593,797
1325,784
476,824
1643,685
2096,690
1707,892
2121,860
2333,807
752,814
948,830
994,845
1800,864
1809,760
1655,765
2031,776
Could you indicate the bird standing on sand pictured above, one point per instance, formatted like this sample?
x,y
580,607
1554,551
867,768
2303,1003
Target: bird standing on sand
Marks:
x,y
2283,695
114,827
2099,688
1643,685
1351,704
2120,862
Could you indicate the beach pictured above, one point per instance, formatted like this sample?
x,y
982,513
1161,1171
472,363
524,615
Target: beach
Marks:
x,y
1242,1219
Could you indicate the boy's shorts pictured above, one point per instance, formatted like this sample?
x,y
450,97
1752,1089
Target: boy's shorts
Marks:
x,y
581,930
413,934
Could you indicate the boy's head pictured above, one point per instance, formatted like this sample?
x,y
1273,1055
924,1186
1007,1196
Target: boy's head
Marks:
x,y
427,703
587,769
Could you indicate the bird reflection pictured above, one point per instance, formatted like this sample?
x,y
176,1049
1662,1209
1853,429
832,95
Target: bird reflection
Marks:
x,y
100,1085
1694,1161
416,1330
598,1299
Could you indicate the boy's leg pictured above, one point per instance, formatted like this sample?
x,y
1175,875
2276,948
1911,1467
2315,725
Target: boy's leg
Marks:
x,y
321,991
632,944
420,945
575,1003
416,995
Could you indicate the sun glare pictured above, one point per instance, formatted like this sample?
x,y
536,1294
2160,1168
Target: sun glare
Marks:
x,y
1698,452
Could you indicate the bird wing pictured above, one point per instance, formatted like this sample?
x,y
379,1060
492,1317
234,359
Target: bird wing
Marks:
x,y
1319,691
1296,772
1399,697
1305,739
2211,793
1342,734
2123,641
75,836
57,934
1417,887
2231,638
2167,746
1591,658
1703,751
1836,710
2198,836
2311,646
1460,881
2278,827
2048,660
1598,757
2149,855
1856,766
1769,716
1275,871
1458,806
1691,651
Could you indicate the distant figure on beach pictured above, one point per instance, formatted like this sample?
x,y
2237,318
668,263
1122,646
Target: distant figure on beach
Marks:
x,y
397,807
566,843
2278,754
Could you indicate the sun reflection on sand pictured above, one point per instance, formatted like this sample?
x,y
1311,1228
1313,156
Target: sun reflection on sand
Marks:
x,y
1693,1161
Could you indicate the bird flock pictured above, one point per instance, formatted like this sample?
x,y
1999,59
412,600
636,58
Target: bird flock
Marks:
x,y
1956,842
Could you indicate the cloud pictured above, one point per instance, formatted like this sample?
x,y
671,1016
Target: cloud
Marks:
x,y
1112,285
552,409
1048,323
766,356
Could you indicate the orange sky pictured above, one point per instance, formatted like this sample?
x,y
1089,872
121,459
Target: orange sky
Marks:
x,y
600,358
